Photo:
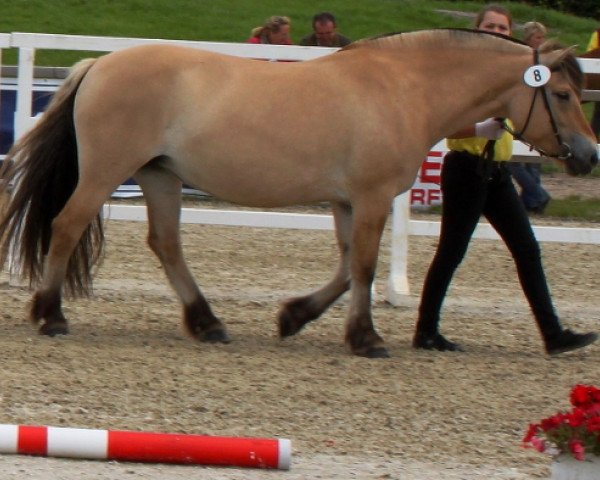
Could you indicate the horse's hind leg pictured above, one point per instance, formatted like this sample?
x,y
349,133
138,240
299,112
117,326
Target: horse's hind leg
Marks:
x,y
297,312
162,192
67,228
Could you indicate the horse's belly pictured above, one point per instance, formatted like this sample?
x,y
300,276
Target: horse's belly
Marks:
x,y
256,184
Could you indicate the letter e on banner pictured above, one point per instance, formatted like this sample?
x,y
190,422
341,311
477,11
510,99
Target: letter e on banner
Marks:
x,y
426,189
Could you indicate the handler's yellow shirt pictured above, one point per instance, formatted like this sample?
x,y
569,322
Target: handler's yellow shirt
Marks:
x,y
594,42
475,145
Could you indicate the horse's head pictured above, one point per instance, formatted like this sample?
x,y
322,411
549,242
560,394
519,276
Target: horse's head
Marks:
x,y
547,110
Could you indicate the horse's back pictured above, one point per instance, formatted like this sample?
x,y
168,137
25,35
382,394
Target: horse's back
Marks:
x,y
211,117
249,131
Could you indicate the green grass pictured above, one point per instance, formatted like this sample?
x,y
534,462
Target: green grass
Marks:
x,y
574,208
232,20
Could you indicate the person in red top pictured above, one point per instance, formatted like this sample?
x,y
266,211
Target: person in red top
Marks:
x,y
275,31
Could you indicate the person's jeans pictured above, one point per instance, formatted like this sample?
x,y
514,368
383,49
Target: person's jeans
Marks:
x,y
527,176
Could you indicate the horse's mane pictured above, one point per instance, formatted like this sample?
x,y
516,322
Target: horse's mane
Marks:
x,y
569,65
462,37
451,37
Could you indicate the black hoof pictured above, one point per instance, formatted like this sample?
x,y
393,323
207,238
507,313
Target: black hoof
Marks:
x,y
295,314
289,325
54,330
215,336
376,352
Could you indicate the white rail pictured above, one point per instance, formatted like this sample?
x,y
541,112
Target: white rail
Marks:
x,y
402,226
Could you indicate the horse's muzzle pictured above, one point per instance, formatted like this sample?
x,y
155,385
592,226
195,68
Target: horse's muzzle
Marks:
x,y
580,157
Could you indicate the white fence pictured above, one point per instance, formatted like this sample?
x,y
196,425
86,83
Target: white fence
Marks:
x,y
402,226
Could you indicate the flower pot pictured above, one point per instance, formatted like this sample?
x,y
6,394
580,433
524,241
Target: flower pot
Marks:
x,y
565,467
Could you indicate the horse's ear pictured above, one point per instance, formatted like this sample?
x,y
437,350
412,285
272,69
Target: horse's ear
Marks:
x,y
555,57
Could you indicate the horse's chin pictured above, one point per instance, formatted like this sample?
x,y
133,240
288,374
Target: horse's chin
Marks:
x,y
578,167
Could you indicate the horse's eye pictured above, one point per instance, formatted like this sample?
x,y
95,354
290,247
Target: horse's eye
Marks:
x,y
562,95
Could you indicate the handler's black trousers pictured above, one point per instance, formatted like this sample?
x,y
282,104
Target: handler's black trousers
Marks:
x,y
471,188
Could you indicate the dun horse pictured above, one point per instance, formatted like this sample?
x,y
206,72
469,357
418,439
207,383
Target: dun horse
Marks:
x,y
267,134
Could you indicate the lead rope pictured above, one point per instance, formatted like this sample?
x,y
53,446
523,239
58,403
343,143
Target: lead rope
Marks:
x,y
486,160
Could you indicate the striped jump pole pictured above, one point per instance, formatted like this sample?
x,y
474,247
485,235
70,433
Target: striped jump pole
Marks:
x,y
130,446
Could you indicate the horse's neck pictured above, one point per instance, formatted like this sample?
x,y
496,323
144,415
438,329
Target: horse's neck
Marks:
x,y
468,87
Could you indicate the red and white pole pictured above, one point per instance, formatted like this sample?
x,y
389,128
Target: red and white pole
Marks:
x,y
145,446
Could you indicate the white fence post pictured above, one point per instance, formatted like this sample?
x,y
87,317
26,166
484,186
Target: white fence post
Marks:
x,y
24,91
397,287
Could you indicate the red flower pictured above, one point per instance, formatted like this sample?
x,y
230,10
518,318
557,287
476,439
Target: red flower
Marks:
x,y
575,432
577,449
593,424
531,432
538,444
579,395
584,396
553,422
577,418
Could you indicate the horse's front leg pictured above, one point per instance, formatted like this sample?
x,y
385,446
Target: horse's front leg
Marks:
x,y
296,312
369,221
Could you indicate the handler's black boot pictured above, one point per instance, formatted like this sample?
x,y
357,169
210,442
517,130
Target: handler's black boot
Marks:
x,y
434,341
568,340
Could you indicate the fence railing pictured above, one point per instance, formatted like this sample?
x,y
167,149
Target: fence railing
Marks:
x,y
402,226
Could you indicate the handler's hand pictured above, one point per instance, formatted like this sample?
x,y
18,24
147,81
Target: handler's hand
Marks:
x,y
490,129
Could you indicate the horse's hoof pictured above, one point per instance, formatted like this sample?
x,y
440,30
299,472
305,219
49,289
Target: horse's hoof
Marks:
x,y
375,352
288,325
215,336
54,330
286,328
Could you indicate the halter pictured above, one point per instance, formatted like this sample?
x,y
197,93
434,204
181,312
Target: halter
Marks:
x,y
563,146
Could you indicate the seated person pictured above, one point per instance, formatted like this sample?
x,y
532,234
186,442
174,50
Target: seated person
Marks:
x,y
324,34
275,31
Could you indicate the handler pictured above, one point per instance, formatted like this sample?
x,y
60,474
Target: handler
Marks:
x,y
476,181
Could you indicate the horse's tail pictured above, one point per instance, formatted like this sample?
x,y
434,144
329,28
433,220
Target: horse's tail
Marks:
x,y
39,175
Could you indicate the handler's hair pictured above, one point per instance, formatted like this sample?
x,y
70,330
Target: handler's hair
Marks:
x,y
493,7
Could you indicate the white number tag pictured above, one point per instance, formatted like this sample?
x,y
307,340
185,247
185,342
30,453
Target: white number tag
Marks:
x,y
537,75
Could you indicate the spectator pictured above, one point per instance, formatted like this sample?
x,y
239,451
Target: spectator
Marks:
x,y
275,31
475,181
534,34
528,175
325,34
